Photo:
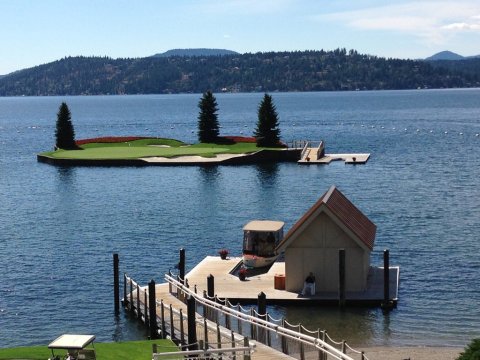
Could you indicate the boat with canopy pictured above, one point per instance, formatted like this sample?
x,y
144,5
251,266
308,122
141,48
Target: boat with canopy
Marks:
x,y
260,238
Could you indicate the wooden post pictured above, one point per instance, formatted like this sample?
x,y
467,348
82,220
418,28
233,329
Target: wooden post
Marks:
x,y
162,316
145,301
205,333
386,276
210,286
341,277
192,329
205,307
172,327
139,311
152,301
322,355
125,299
182,330
210,295
116,285
181,265
284,340
219,337
227,317
246,344
131,295
262,314
233,345
252,327
239,321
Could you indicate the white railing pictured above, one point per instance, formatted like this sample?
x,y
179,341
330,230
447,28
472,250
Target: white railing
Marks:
x,y
319,344
305,148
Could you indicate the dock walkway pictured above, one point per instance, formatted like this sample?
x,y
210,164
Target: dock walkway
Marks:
x,y
261,351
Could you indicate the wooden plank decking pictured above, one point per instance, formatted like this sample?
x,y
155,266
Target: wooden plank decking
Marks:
x,y
261,352
328,158
230,286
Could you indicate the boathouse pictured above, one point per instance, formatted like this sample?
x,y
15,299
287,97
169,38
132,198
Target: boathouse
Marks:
x,y
314,241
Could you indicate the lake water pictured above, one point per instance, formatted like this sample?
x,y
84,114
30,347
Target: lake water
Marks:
x,y
60,226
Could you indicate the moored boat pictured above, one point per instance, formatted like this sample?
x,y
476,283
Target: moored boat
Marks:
x,y
260,238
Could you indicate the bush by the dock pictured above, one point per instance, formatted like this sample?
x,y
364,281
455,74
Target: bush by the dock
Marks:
x,y
472,351
131,350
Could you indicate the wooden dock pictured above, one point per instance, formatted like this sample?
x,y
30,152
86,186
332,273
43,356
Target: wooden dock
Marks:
x,y
229,286
310,158
223,329
261,351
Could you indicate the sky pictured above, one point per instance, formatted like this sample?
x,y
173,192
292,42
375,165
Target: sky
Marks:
x,y
34,32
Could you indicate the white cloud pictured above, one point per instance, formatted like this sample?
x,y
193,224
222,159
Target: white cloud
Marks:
x,y
432,21
462,26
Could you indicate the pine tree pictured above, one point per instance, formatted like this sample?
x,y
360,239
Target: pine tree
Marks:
x,y
208,128
267,132
64,133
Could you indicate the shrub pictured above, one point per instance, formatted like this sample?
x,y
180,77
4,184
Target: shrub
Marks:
x,y
472,351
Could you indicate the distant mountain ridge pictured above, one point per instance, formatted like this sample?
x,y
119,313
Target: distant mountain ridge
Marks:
x,y
450,56
317,70
196,52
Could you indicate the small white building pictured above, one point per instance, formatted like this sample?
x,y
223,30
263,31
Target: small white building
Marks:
x,y
313,244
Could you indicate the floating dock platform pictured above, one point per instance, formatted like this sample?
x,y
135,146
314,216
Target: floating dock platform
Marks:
x,y
310,158
227,285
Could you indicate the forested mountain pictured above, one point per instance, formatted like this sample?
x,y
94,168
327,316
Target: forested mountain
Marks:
x,y
448,55
265,72
197,52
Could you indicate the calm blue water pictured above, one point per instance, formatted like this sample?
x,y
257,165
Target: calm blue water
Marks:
x,y
60,226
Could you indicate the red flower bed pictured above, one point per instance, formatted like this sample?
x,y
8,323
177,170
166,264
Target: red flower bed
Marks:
x,y
237,139
110,139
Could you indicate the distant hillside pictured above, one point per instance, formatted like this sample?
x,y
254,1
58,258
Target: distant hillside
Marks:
x,y
196,52
450,56
445,55
261,72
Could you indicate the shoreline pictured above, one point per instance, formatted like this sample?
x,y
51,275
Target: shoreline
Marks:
x,y
411,352
258,157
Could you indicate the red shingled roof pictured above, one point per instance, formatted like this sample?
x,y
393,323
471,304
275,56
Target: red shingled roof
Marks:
x,y
347,213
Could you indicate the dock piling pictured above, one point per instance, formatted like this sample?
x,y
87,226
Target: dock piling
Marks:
x,y
210,286
116,285
262,314
386,304
192,330
181,265
341,277
152,316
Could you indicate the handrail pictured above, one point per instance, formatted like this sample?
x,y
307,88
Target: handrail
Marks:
x,y
303,338
305,148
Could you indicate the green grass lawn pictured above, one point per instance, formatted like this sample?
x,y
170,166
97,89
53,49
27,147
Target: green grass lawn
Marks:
x,y
132,350
149,148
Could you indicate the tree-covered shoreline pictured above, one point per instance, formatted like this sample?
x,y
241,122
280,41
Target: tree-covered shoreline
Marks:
x,y
259,72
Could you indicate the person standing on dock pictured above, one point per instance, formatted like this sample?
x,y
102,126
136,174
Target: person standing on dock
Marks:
x,y
309,284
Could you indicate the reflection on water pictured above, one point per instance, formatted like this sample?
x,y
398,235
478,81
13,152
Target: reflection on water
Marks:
x,y
267,173
209,174
65,175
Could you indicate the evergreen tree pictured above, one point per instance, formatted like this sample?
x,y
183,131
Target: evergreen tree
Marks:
x,y
267,132
64,133
208,128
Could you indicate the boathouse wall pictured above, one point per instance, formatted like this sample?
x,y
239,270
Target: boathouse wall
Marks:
x,y
316,248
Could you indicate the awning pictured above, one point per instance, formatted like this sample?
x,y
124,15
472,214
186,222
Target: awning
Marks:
x,y
71,341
